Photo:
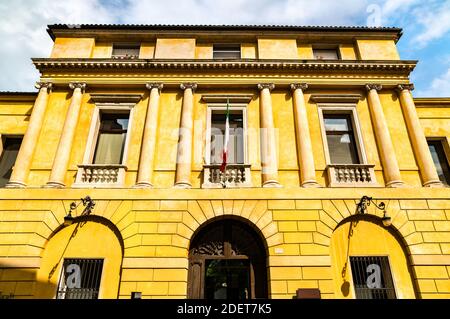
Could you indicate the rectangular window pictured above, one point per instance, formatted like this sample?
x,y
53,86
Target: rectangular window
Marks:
x,y
341,139
125,51
235,154
226,51
111,138
80,279
10,149
372,277
325,54
440,160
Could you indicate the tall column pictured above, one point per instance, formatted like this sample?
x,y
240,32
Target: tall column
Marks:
x,y
64,149
184,155
419,143
268,141
387,154
145,173
25,156
304,146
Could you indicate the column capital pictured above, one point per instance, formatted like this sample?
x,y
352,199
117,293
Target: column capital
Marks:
x,y
47,85
402,87
262,86
151,86
376,87
78,85
192,86
296,86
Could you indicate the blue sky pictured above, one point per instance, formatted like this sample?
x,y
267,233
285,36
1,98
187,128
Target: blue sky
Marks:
x,y
426,27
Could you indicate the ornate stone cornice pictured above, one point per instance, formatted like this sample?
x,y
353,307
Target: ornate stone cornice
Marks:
x,y
402,87
376,87
192,86
308,65
296,86
47,85
78,85
151,86
262,86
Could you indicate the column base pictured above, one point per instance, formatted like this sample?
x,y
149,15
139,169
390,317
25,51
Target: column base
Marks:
x,y
182,185
272,183
15,185
434,183
310,184
395,184
143,185
54,185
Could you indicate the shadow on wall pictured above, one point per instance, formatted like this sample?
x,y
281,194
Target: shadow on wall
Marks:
x,y
20,283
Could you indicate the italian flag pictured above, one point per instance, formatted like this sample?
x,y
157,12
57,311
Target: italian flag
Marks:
x,y
227,137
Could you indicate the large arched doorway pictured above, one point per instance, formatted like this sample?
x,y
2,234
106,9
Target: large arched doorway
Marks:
x,y
227,260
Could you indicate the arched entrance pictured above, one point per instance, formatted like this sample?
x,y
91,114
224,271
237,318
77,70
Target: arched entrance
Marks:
x,y
227,260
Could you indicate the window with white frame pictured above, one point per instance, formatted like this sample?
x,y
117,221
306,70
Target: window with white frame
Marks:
x,y
440,159
344,149
111,138
9,148
237,171
235,154
104,162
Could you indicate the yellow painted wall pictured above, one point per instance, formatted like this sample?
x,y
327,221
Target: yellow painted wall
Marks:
x,y
347,52
306,248
204,51
73,48
147,50
76,241
377,50
102,50
175,49
249,51
381,243
277,49
14,115
304,51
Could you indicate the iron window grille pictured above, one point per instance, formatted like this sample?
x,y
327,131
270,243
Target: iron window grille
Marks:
x,y
80,279
372,277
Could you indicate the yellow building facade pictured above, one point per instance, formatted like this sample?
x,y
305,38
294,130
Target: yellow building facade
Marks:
x,y
134,117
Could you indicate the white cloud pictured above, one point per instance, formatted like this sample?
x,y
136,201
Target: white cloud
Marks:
x,y
23,22
23,34
439,87
435,21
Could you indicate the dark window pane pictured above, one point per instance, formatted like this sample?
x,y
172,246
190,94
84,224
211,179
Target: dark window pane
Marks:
x,y
440,161
372,278
341,139
8,158
122,50
80,279
325,54
226,51
235,153
342,149
111,139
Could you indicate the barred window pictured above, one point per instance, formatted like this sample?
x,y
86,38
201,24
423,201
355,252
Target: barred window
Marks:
x,y
80,279
372,277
